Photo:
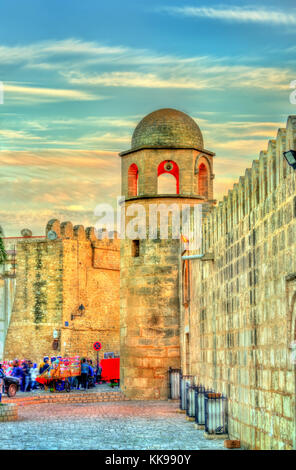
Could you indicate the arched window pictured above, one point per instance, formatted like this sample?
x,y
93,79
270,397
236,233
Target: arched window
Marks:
x,y
168,178
203,180
133,174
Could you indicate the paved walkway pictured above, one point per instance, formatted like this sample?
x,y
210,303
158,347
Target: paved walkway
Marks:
x,y
40,392
97,394
136,425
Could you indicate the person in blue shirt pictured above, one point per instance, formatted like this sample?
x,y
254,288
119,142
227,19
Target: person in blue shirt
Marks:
x,y
91,374
26,377
46,365
17,371
84,373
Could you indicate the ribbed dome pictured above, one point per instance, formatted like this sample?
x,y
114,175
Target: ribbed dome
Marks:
x,y
167,128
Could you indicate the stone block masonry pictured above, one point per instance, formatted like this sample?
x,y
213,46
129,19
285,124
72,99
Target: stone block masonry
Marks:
x,y
239,321
66,398
55,277
7,287
8,412
165,143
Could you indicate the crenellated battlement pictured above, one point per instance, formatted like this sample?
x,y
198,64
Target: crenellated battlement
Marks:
x,y
66,231
256,186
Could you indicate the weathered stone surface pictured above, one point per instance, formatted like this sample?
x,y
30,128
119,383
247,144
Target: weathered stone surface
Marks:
x,y
236,337
53,279
167,127
150,306
8,412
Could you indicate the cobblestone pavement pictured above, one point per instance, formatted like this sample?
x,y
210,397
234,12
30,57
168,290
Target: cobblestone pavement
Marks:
x,y
130,425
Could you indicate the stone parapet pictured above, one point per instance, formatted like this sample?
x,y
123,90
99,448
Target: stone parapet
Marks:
x,y
65,398
8,412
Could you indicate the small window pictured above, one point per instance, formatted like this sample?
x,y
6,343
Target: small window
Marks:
x,y
133,175
135,248
203,183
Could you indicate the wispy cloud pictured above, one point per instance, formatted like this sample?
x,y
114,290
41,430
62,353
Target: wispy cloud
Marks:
x,y
224,131
58,55
30,93
49,49
133,80
191,78
11,135
107,137
242,146
75,62
88,159
56,183
105,121
236,14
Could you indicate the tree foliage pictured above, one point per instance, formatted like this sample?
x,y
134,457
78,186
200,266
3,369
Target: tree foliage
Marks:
x,y
3,254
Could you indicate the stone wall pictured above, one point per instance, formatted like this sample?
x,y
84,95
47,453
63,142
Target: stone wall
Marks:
x,y
66,398
8,412
7,292
149,305
55,277
238,315
8,285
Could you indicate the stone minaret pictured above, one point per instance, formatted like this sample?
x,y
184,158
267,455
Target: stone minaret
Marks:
x,y
167,164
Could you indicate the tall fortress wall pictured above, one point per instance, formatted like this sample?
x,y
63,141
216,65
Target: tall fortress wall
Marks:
x,y
238,315
54,278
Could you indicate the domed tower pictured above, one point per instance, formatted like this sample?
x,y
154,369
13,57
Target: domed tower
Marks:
x,y
166,168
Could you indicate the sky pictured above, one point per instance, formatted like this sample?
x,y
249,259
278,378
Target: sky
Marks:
x,y
79,75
